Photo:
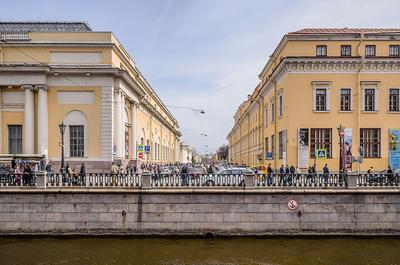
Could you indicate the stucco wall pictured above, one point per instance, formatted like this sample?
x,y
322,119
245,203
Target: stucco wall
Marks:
x,y
187,212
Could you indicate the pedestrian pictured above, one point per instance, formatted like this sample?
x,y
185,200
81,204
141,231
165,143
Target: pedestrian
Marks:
x,y
27,175
269,176
370,175
114,173
82,174
292,170
298,174
325,171
309,175
287,175
282,175
14,162
18,172
390,176
49,167
184,173
314,173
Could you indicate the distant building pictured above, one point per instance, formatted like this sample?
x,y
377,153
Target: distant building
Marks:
x,y
186,154
53,72
315,81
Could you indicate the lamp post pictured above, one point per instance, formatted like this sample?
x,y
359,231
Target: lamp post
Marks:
x,y
341,138
62,127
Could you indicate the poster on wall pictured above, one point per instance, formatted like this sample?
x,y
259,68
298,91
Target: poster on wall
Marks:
x,y
348,148
394,148
302,147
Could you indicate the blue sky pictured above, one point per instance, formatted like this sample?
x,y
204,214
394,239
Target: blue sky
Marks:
x,y
204,53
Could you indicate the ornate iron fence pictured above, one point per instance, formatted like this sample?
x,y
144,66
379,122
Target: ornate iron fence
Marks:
x,y
196,180
300,180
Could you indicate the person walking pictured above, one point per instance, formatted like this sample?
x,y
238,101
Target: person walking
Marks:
x,y
269,174
184,173
292,170
282,175
390,176
18,172
82,174
325,171
28,175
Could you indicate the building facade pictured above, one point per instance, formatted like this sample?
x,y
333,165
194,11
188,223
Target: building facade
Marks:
x,y
65,72
326,96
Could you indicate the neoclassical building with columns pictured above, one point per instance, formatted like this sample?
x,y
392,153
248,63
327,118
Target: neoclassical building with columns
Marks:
x,y
53,72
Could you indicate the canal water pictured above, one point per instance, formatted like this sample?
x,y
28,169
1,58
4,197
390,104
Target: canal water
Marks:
x,y
121,251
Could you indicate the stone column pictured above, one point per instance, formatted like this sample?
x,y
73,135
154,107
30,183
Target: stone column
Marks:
x,y
134,128
42,120
1,124
121,148
118,118
29,122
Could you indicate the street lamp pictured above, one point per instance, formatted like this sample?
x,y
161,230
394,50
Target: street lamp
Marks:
x,y
62,127
341,142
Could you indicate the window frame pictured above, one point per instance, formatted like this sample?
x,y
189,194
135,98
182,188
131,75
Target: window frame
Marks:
x,y
14,139
343,50
280,105
342,105
370,141
397,48
76,140
394,107
321,48
321,144
370,46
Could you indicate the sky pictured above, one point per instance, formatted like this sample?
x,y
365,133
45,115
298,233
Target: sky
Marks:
x,y
204,54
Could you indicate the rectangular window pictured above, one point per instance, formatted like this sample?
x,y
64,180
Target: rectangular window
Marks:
x,y
267,144
280,145
394,50
76,141
280,105
345,99
370,141
15,139
345,50
273,145
321,139
369,99
321,50
370,50
394,99
266,116
273,112
320,99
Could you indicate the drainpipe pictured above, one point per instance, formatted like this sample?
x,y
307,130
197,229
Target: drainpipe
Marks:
x,y
359,94
261,124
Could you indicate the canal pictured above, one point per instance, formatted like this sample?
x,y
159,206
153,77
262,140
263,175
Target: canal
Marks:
x,y
121,251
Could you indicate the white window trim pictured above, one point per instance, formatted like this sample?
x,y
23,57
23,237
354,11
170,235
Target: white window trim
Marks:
x,y
322,85
76,117
376,100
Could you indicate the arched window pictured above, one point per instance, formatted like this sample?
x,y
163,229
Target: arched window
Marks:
x,y
76,134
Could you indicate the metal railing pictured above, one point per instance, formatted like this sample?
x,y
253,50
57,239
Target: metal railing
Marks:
x,y
10,179
93,180
17,35
378,180
196,180
146,180
300,180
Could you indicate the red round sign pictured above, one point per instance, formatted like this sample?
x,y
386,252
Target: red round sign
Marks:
x,y
140,155
292,204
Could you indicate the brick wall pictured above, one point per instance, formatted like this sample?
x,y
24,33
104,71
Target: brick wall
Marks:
x,y
228,213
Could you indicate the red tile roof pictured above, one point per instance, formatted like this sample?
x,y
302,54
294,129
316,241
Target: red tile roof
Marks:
x,y
344,31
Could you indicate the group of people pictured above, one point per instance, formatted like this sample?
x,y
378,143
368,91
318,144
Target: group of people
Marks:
x,y
23,173
373,177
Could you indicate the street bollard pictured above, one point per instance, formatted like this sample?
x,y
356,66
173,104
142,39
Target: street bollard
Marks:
x,y
41,179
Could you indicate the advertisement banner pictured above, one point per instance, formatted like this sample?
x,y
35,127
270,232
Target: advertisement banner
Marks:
x,y
303,147
348,148
394,148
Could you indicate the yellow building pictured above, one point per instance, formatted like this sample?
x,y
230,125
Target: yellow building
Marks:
x,y
315,81
53,72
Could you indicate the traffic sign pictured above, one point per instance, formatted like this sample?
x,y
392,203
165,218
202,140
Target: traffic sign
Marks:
x,y
269,156
140,148
320,153
140,155
292,205
147,149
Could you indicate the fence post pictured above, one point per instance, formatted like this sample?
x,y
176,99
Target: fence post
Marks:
x,y
351,180
41,179
249,181
146,180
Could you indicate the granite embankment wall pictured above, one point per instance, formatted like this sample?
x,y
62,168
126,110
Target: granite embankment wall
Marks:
x,y
225,212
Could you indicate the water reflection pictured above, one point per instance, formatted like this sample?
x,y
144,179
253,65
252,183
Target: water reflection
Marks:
x,y
114,251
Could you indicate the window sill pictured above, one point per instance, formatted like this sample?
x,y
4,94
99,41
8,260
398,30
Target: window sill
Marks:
x,y
346,111
370,111
321,111
393,112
